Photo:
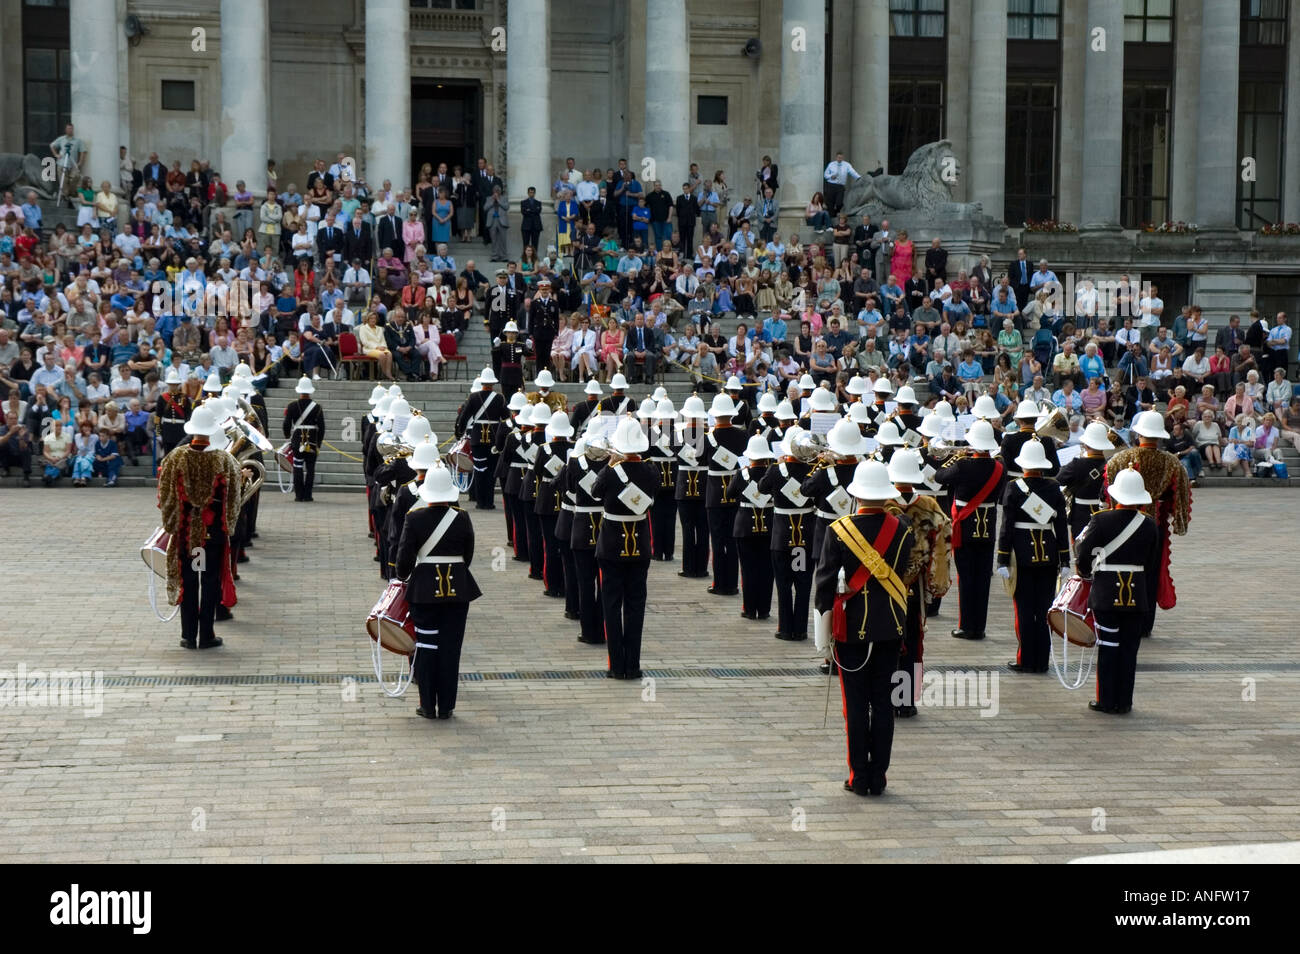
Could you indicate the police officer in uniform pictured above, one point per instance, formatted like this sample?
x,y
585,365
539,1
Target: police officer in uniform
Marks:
x,y
434,554
304,425
663,454
1082,479
1120,551
503,303
626,490
792,559
722,450
174,409
1027,413
976,484
692,483
544,323
860,586
478,418
584,468
753,531
1034,529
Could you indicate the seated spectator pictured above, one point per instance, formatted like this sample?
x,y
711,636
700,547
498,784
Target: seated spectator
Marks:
x,y
138,439
823,365
16,445
1183,446
1179,407
1139,397
83,462
946,386
56,454
107,459
1208,437
1266,436
1239,451
1255,389
1289,423
1221,371
1065,366
1067,398
970,372
1240,403
1092,366
1196,367
1279,392
1093,400
704,369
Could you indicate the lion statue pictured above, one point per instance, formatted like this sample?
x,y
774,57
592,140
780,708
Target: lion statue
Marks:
x,y
20,173
924,186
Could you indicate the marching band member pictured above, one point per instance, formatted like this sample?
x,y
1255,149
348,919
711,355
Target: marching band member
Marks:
x,y
931,541
198,495
243,380
304,425
791,537
882,391
907,419
822,402
692,483
618,403
544,395
563,529
551,458
663,454
478,418
1171,497
855,389
582,411
736,391
1027,413
860,414
434,554
932,428
826,486
766,425
390,473
509,354
499,464
515,462
1082,478
540,415
785,419
584,468
1121,552
368,422
400,482
752,529
1034,532
861,584
889,439
976,485
174,409
626,489
722,450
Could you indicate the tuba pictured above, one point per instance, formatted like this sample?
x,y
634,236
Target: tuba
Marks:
x,y
1055,426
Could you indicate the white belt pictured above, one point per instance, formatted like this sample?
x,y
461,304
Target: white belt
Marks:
x,y
305,427
566,506
172,420
1120,567
440,559
1026,525
576,509
962,503
750,506
1082,500
521,466
786,511
828,516
722,473
626,518
685,469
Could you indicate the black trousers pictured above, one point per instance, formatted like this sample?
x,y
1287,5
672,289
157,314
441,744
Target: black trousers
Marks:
x,y
589,599
536,543
571,603
201,589
974,573
304,475
12,455
622,597
251,510
1035,590
552,562
518,528
439,635
755,558
509,514
542,342
480,487
1118,637
663,526
695,537
911,650
532,237
725,565
866,673
834,196
792,590
380,515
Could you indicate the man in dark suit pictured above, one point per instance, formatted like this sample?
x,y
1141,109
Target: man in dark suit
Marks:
x,y
388,229
642,345
155,170
687,208
862,236
1230,337
484,180
329,240
357,242
530,214
1019,273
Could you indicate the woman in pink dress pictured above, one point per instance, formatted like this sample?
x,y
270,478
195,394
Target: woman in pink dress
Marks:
x,y
427,333
412,234
611,348
900,263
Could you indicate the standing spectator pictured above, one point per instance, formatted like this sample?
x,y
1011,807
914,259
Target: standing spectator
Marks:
x,y
837,175
530,219
496,216
1278,345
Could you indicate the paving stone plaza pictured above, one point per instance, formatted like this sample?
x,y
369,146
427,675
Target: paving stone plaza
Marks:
x,y
280,746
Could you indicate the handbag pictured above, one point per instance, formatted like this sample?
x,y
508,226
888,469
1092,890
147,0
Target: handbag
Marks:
x,y
1264,469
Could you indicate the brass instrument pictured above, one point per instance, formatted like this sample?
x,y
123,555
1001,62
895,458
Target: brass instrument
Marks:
x,y
597,449
808,448
250,485
1056,426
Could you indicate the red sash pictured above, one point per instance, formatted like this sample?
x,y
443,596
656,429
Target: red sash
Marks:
x,y
839,621
973,504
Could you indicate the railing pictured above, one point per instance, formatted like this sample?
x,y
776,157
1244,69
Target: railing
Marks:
x,y
446,21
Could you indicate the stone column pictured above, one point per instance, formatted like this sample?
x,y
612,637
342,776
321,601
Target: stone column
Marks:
x,y
988,107
1103,98
956,94
245,82
667,92
528,101
1291,144
1217,165
1187,83
93,45
869,77
803,149
388,94
1074,50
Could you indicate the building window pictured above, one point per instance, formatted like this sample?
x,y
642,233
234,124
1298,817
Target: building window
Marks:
x,y
711,110
1144,177
47,101
1263,22
1149,21
1033,19
1259,125
1031,152
915,118
178,94
917,17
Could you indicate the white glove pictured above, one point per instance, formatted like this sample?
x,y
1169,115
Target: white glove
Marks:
x,y
1004,572
496,342
1066,573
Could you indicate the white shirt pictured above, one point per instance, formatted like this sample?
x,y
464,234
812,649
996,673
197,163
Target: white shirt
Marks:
x,y
1127,336
355,276
1146,305
587,191
838,173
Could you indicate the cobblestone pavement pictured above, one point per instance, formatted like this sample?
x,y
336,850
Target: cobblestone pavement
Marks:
x,y
264,751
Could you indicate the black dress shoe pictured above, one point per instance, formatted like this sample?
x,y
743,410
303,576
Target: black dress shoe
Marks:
x,y
747,615
554,593
799,637
445,715
223,614
242,558
876,786
966,634
764,616
422,714
611,674
856,789
787,637
255,534
568,615
1096,706
590,642
633,674
187,644
1017,667
829,668
904,712
534,576
212,643
714,592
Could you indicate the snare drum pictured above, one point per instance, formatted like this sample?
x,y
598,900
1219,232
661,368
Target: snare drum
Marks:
x,y
284,457
154,552
460,457
390,621
1070,615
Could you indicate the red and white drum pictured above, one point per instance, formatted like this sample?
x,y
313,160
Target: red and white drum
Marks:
x,y
1070,615
284,457
154,552
390,621
460,456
